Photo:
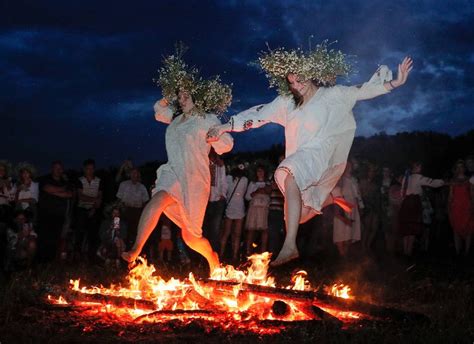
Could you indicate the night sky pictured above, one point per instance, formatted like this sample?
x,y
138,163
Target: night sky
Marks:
x,y
76,76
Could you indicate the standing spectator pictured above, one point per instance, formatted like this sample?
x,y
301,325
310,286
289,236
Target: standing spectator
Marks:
x,y
133,195
7,192
258,193
371,196
235,211
165,244
27,195
21,241
217,199
113,231
276,219
347,225
385,184
394,203
470,165
89,196
55,202
410,215
460,207
427,218
124,172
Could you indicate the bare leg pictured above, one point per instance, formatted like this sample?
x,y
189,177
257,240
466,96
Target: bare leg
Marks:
x,y
225,236
236,236
148,221
289,250
342,247
249,241
203,247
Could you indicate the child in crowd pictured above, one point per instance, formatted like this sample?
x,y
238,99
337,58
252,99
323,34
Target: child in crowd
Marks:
x,y
21,239
113,232
165,244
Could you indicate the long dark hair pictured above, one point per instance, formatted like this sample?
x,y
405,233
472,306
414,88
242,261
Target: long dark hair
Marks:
x,y
265,173
298,98
178,110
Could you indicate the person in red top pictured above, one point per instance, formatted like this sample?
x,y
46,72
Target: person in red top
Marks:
x,y
460,207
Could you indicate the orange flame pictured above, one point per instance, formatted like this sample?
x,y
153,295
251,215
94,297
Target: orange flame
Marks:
x,y
341,290
142,283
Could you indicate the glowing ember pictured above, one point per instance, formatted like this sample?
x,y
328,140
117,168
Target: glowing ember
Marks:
x,y
340,290
299,281
59,301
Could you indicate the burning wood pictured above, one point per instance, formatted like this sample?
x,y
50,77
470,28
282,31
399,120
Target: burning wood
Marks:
x,y
229,295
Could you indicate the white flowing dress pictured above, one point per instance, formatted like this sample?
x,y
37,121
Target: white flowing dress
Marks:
x,y
186,176
318,135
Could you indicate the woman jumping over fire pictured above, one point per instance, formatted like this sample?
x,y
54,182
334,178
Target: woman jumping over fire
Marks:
x,y
319,127
183,184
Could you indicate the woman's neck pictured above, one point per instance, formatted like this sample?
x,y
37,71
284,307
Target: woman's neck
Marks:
x,y
188,112
310,93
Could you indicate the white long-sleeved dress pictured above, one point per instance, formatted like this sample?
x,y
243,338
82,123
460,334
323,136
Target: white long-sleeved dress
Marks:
x,y
318,135
186,177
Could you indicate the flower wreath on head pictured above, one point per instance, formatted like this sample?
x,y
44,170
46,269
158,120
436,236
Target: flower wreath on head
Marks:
x,y
209,95
321,64
25,166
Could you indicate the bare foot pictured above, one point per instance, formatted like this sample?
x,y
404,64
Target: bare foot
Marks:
x,y
129,256
285,256
213,262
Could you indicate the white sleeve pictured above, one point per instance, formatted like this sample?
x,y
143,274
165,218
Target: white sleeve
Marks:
x,y
223,181
120,192
225,142
274,112
244,184
163,113
370,89
35,191
433,183
12,193
471,180
145,196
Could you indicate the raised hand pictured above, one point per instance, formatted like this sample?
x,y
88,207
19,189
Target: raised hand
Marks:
x,y
404,70
214,133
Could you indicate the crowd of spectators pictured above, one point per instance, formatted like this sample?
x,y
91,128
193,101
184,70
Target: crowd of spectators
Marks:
x,y
82,217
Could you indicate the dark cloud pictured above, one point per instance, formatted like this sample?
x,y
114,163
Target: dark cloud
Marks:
x,y
76,77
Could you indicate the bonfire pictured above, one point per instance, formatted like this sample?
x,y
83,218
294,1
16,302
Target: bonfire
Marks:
x,y
249,299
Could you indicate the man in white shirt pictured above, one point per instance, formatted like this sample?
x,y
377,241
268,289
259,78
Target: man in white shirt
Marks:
x,y
217,200
133,196
89,201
